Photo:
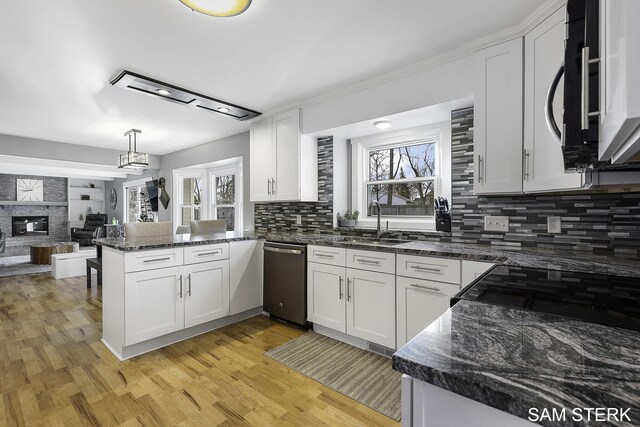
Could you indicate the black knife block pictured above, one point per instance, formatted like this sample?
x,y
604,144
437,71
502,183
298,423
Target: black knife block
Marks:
x,y
443,222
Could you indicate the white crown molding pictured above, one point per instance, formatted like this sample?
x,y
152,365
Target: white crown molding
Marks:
x,y
61,168
526,25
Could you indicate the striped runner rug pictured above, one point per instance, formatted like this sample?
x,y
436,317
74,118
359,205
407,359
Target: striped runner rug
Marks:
x,y
363,376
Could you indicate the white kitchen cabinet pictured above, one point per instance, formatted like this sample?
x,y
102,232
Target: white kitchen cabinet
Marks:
x,y
206,296
245,275
419,303
498,118
619,81
371,309
262,162
326,299
543,159
153,303
471,270
278,155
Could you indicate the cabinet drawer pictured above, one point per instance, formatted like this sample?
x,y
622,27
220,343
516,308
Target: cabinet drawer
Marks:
x,y
150,260
327,255
371,261
439,269
206,253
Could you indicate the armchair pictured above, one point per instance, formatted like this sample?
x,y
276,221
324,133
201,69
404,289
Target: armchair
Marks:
x,y
93,229
3,241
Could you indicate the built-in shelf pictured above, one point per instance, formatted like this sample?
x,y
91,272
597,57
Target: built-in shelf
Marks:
x,y
21,203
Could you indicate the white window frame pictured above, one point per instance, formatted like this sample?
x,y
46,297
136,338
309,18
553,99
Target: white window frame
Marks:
x,y
125,205
178,190
439,133
235,170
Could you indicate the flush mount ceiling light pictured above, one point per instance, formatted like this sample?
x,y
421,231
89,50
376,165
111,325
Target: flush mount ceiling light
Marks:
x,y
142,84
220,8
132,159
382,124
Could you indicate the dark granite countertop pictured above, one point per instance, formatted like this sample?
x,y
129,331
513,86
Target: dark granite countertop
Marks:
x,y
514,360
159,242
567,260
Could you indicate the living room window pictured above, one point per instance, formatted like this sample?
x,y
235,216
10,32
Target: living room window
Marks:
x,y
223,198
190,208
401,171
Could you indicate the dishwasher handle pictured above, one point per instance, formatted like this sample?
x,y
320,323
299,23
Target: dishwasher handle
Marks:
x,y
283,251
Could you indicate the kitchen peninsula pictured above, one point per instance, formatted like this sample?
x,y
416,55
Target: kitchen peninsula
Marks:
x,y
161,290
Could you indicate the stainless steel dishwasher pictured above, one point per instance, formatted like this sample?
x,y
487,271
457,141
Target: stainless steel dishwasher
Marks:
x,y
285,281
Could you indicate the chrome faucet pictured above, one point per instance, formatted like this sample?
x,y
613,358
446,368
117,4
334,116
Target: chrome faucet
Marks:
x,y
378,231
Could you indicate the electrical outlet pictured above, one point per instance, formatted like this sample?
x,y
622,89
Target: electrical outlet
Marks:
x,y
298,219
554,224
496,223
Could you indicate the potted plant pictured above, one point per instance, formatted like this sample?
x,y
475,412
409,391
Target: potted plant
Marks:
x,y
349,219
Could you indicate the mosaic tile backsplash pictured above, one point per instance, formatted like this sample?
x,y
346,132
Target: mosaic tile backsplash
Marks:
x,y
595,222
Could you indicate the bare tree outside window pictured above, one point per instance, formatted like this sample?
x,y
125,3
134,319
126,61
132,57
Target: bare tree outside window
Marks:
x,y
401,180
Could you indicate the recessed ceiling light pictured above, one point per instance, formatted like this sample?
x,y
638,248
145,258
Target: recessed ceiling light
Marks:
x,y
221,8
382,124
163,92
223,109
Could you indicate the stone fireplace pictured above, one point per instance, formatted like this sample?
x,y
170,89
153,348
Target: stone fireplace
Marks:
x,y
28,226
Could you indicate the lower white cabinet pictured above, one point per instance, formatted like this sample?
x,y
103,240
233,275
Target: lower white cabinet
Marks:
x,y
153,305
326,300
206,296
471,270
356,302
371,313
245,276
420,302
159,302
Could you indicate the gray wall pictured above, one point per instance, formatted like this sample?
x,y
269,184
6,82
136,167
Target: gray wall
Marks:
x,y
43,149
233,146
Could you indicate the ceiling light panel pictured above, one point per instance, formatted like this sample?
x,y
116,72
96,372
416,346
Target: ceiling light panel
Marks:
x,y
168,92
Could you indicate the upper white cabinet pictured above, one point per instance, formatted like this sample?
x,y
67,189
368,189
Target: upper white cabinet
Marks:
x,y
284,163
543,160
498,118
619,81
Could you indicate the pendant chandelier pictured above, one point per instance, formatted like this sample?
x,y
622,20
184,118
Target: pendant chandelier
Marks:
x,y
220,8
132,159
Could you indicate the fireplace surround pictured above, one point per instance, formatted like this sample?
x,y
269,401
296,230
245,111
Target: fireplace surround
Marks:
x,y
25,226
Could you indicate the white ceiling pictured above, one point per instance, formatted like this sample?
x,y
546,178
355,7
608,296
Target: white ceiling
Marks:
x,y
57,59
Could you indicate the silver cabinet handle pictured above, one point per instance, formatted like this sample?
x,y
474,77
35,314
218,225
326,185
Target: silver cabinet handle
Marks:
x,y
180,292
340,288
156,260
526,165
324,256
368,261
189,288
426,288
348,289
208,253
273,187
479,169
421,268
268,187
283,251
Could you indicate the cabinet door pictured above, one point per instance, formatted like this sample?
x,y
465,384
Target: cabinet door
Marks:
x,y
471,270
543,161
245,275
420,302
326,295
498,119
619,81
207,292
262,161
371,306
153,303
286,134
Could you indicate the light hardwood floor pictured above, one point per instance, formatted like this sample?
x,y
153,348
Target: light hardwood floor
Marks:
x,y
54,371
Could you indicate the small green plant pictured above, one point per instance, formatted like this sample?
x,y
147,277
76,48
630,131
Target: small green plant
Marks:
x,y
349,216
